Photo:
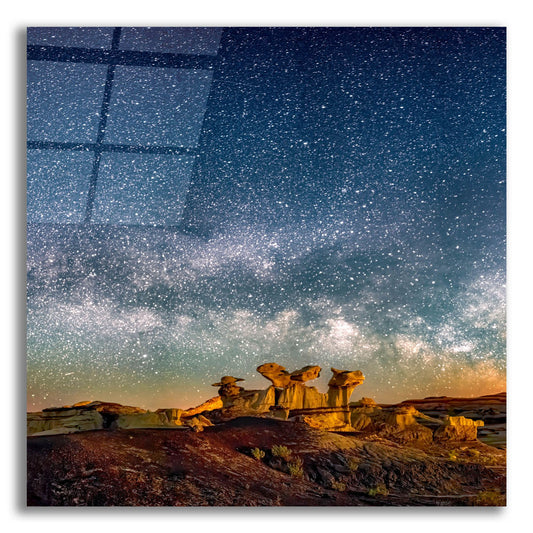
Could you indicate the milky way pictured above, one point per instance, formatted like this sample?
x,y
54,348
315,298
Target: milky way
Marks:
x,y
331,196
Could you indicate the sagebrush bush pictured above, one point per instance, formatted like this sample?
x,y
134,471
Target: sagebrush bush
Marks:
x,y
296,467
353,464
281,451
489,498
338,485
258,454
380,490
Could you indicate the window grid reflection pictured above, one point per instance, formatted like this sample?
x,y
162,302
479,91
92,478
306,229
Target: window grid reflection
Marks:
x,y
107,140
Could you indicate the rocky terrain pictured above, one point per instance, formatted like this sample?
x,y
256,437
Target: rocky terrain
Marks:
x,y
492,409
288,444
258,462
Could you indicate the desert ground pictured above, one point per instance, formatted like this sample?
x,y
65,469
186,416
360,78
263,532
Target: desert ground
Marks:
x,y
258,461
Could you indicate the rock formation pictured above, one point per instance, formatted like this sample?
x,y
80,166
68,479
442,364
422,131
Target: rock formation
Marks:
x,y
228,389
458,428
345,378
276,374
364,402
81,416
341,385
63,420
307,373
404,423
198,423
288,398
364,414
236,401
209,405
161,418
280,378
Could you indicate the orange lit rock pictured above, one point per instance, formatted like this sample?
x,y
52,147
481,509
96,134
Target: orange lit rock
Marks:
x,y
280,378
289,396
364,402
364,413
228,387
249,403
198,423
209,405
276,374
458,428
146,420
326,421
345,378
299,396
341,385
307,373
170,416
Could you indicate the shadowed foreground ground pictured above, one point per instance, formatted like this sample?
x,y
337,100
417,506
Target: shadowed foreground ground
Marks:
x,y
178,467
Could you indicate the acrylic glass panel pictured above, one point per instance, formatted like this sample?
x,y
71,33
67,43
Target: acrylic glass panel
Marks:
x,y
64,101
196,41
57,185
86,37
157,106
143,189
339,249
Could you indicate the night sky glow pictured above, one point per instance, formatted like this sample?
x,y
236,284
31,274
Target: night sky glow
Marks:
x,y
330,196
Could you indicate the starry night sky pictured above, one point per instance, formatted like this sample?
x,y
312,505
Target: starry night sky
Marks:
x,y
339,200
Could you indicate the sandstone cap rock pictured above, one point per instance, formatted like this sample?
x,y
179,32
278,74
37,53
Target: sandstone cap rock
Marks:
x,y
345,378
227,380
306,373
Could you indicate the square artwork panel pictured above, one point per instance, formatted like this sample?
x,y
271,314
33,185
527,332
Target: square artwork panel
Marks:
x,y
266,266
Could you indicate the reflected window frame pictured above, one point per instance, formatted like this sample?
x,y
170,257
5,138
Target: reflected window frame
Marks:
x,y
112,57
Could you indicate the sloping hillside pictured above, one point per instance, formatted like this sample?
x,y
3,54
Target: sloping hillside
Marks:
x,y
172,467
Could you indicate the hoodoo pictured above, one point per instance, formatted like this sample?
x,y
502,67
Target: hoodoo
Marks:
x,y
287,398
